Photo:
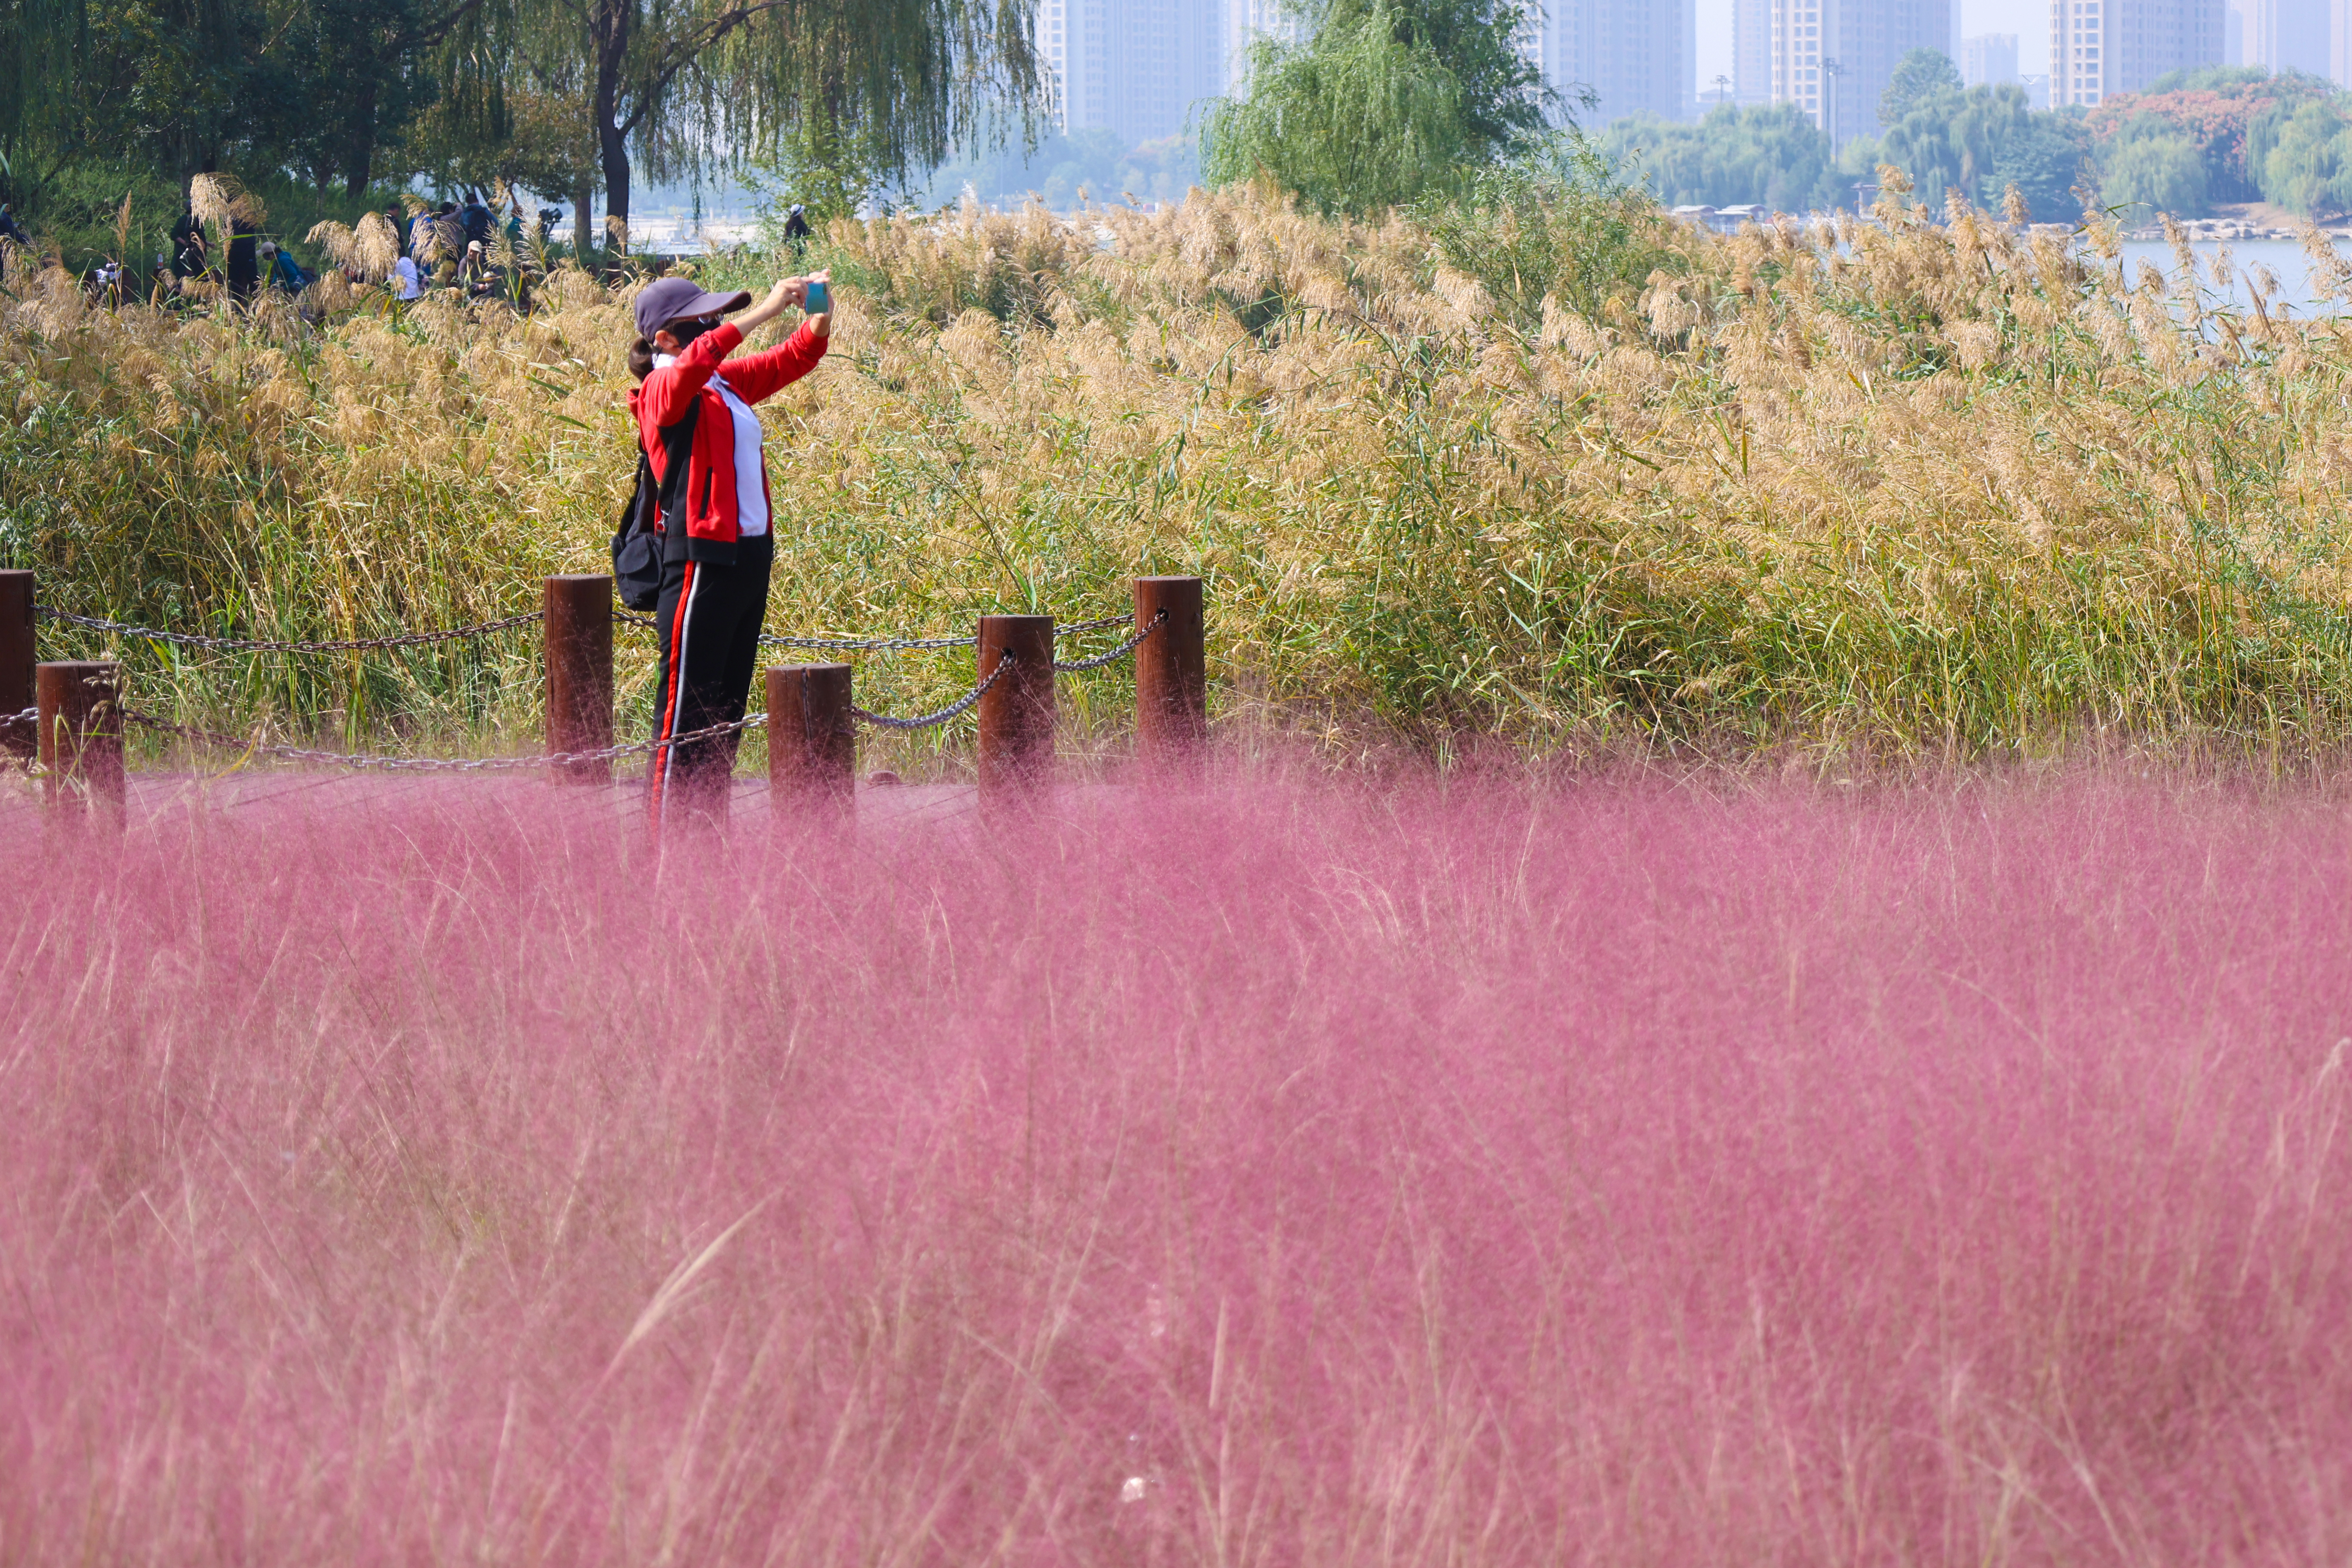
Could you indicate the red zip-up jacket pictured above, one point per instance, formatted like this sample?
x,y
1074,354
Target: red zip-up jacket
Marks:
x,y
664,398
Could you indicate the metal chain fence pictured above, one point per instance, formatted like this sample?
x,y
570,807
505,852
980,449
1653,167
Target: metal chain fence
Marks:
x,y
255,746
1073,667
961,705
272,645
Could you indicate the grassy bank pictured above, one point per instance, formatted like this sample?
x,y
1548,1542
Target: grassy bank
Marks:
x,y
1901,489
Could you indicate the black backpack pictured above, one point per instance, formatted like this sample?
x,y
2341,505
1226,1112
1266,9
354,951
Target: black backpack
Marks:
x,y
637,543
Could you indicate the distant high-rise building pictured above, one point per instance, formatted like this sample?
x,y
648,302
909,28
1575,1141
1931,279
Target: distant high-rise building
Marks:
x,y
1637,56
1833,58
1135,67
2103,46
1245,21
2234,35
1988,59
2286,34
2339,42
1751,52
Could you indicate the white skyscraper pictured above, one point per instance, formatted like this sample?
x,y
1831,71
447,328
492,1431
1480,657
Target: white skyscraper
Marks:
x,y
1751,52
1988,59
1833,58
1245,21
1637,56
1136,66
2286,34
2102,47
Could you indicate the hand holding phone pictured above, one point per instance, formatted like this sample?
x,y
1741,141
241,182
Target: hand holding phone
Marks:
x,y
819,299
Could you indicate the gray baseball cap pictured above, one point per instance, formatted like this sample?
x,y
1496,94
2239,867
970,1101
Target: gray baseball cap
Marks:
x,y
666,299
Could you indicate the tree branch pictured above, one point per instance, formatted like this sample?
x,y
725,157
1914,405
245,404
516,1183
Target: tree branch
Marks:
x,y
656,82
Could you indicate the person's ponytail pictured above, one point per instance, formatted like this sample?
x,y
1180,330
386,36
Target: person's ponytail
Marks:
x,y
641,359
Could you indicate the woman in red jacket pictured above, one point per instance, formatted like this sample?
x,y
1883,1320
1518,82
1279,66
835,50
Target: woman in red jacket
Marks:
x,y
694,417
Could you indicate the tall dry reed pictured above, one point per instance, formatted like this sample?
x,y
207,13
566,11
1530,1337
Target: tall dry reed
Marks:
x,y
1895,486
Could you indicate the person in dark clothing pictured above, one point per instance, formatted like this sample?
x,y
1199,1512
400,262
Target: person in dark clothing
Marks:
x,y
244,261
477,220
14,232
189,246
796,229
694,412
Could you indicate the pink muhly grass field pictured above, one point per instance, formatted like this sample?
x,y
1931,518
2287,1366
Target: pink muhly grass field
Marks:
x,y
1275,1174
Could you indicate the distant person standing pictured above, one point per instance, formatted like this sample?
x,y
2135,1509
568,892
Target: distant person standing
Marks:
x,y
404,282
478,219
13,232
244,259
796,229
189,246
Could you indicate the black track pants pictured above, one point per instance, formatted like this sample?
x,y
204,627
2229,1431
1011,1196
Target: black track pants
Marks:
x,y
711,618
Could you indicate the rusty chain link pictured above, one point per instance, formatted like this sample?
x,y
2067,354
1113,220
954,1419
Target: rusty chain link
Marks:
x,y
271,644
508,764
924,721
1072,666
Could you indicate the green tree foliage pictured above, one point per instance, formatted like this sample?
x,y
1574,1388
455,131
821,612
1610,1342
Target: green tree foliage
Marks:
x,y
1921,76
2307,158
2229,114
1385,102
1976,141
560,95
2162,170
2043,160
1772,155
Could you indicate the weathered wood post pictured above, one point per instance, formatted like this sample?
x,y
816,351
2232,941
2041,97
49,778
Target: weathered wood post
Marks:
x,y
18,738
1017,713
579,642
81,736
812,747
1171,671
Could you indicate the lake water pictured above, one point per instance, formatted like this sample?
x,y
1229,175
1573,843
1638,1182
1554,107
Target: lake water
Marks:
x,y
2284,257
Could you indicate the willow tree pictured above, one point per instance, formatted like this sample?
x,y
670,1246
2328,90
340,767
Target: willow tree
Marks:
x,y
1382,102
878,89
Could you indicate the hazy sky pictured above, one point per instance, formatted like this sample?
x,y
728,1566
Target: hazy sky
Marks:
x,y
2028,19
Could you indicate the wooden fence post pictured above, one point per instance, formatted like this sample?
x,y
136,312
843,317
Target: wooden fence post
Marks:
x,y
1172,673
812,748
579,641
17,739
81,736
1017,713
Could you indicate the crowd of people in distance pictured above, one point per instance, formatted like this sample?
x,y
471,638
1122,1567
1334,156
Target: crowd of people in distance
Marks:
x,y
455,246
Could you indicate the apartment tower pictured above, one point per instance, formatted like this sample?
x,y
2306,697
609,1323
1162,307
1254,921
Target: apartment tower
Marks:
x,y
1135,67
1751,51
2286,34
2103,46
1833,58
1988,59
1637,56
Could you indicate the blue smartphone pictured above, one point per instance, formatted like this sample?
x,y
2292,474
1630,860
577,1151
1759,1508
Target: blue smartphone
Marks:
x,y
819,299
